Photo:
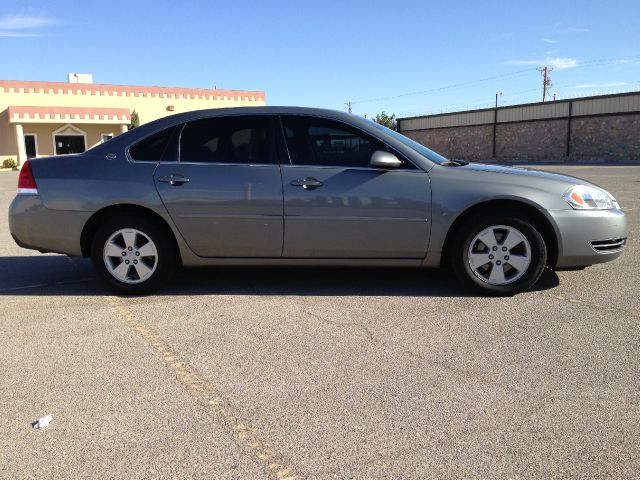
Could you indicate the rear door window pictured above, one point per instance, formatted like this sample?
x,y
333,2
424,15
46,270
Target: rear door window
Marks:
x,y
233,139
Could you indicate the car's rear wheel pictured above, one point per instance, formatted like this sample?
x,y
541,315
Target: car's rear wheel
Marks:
x,y
499,254
133,255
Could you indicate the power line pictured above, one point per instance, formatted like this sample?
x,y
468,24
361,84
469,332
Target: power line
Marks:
x,y
511,100
446,87
588,63
608,61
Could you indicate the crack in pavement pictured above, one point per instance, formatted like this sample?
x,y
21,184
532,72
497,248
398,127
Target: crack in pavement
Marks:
x,y
589,304
360,326
416,356
44,285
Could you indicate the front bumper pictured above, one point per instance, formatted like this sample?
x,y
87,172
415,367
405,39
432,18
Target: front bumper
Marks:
x,y
34,226
577,230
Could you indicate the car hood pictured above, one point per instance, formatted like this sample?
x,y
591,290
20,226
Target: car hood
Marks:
x,y
525,172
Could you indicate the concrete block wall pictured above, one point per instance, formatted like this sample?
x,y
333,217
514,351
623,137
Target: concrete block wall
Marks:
x,y
610,138
472,143
537,140
605,128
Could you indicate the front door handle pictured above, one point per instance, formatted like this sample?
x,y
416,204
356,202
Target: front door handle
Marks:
x,y
308,183
176,179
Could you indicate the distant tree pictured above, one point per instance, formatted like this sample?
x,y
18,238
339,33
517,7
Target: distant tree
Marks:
x,y
135,120
385,120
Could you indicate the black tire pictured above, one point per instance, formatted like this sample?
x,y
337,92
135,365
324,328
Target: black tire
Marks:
x,y
459,253
165,263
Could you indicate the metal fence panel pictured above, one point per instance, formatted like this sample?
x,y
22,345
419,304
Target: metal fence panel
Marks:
x,y
599,106
611,104
534,112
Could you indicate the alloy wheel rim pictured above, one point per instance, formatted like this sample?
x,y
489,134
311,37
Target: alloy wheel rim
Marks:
x,y
499,255
130,256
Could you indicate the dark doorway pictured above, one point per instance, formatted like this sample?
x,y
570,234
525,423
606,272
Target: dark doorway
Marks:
x,y
66,144
30,145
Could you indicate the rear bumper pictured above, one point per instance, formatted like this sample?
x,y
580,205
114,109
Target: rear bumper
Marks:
x,y
34,226
582,235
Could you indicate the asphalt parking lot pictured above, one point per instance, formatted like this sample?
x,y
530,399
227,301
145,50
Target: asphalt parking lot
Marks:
x,y
321,373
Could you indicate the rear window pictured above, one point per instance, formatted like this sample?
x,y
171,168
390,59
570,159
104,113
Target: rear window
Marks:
x,y
152,148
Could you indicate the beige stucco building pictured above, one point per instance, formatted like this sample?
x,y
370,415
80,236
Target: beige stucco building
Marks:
x,y
50,118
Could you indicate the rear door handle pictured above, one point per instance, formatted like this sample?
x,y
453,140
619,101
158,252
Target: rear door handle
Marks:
x,y
176,179
307,183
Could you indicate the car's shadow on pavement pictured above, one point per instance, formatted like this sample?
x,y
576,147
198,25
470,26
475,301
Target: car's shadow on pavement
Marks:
x,y
58,275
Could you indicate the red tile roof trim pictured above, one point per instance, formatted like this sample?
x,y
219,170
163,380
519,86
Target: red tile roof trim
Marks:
x,y
128,90
86,113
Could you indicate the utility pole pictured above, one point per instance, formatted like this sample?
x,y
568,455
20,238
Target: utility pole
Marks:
x,y
349,105
546,82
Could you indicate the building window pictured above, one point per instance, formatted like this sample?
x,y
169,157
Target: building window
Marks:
x,y
105,137
68,140
68,144
31,144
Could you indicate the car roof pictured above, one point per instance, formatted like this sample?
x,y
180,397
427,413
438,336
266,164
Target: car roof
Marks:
x,y
175,119
261,110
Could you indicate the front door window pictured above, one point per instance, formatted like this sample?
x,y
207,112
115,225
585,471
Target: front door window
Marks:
x,y
66,144
327,143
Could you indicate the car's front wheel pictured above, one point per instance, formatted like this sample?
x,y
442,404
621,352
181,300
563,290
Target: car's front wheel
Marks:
x,y
499,254
133,255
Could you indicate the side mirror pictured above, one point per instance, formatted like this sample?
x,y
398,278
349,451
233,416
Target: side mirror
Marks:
x,y
382,159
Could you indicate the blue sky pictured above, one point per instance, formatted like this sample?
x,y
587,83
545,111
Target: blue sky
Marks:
x,y
325,53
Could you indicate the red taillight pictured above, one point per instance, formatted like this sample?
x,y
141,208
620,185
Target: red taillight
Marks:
x,y
26,180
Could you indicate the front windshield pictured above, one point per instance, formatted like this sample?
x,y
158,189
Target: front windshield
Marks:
x,y
421,149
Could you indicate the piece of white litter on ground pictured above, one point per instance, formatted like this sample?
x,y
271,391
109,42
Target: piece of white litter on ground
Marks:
x,y
42,422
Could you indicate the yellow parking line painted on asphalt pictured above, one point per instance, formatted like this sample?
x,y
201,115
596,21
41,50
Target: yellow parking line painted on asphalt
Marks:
x,y
245,435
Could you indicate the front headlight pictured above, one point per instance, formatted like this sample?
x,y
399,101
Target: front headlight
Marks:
x,y
582,197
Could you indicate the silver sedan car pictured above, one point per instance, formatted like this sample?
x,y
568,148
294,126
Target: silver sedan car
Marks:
x,y
300,186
